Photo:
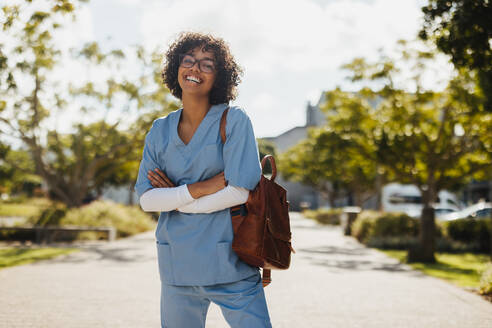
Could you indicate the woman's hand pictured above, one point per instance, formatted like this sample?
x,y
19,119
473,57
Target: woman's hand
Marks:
x,y
158,179
207,187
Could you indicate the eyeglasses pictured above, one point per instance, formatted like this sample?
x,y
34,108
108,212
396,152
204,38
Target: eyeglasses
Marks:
x,y
205,65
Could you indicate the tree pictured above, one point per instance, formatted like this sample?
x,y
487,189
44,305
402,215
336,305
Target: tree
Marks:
x,y
266,148
463,30
75,164
434,140
301,164
331,160
17,171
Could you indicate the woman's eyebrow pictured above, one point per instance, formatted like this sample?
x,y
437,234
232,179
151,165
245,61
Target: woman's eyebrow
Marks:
x,y
193,54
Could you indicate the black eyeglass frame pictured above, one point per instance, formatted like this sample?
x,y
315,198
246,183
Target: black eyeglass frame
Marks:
x,y
199,61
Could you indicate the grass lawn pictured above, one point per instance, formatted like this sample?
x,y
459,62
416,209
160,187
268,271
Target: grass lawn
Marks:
x,y
461,269
30,206
17,256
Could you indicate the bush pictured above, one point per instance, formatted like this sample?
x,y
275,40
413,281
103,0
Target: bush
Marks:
x,y
374,227
472,232
128,220
486,281
49,216
325,216
399,231
22,206
397,242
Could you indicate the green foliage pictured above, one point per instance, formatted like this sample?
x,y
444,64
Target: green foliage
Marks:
x,y
330,160
434,140
371,226
399,231
462,29
486,281
325,216
23,206
128,220
473,232
50,216
17,172
267,148
460,269
95,155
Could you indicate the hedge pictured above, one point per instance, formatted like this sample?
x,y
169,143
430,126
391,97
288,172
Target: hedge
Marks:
x,y
475,233
373,225
325,216
399,231
486,281
127,220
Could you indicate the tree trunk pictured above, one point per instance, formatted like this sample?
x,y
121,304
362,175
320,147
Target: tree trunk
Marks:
x,y
358,199
424,252
490,238
330,194
130,193
379,190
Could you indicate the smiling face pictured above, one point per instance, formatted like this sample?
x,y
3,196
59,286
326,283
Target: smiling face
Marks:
x,y
192,80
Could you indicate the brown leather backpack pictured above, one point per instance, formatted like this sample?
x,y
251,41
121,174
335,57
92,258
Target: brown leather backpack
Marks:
x,y
262,235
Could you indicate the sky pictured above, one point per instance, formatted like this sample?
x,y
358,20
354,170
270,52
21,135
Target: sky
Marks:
x,y
290,50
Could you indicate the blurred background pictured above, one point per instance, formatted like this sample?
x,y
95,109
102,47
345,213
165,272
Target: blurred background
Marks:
x,y
379,114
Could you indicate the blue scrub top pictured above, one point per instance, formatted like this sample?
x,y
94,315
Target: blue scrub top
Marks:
x,y
195,249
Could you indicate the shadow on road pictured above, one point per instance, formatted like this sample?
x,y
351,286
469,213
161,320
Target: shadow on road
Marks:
x,y
353,258
134,249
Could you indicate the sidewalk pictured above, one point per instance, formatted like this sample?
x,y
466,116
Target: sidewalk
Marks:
x,y
333,282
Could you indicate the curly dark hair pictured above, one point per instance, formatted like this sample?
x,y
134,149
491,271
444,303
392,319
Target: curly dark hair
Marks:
x,y
228,71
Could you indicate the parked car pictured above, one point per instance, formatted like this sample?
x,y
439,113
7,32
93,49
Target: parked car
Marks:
x,y
478,211
408,199
442,211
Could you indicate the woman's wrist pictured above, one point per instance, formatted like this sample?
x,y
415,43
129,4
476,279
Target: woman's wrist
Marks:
x,y
206,187
196,189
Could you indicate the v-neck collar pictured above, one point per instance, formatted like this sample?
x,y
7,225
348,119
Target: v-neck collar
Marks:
x,y
213,113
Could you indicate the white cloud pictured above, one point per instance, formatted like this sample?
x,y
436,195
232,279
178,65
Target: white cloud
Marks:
x,y
288,48
291,50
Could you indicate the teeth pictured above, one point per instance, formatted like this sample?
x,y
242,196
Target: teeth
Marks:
x,y
193,79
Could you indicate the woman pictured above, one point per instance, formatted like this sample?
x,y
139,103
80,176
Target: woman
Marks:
x,y
188,175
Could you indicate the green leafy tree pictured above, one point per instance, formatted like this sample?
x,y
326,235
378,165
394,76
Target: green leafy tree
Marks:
x,y
308,163
332,159
77,164
463,30
434,140
266,148
17,173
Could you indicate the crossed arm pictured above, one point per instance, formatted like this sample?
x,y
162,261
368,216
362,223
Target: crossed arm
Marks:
x,y
201,197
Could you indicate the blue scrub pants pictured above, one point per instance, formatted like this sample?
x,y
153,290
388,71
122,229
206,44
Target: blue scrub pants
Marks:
x,y
242,303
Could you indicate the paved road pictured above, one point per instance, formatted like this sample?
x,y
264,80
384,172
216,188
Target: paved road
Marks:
x,y
333,282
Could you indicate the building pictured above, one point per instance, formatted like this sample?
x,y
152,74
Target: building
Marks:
x,y
297,193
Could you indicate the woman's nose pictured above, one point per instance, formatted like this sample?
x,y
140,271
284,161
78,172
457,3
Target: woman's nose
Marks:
x,y
195,67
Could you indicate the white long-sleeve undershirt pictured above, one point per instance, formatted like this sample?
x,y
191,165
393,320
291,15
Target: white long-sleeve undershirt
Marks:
x,y
179,198
228,197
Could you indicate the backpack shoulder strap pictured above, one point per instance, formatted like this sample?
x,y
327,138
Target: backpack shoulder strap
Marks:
x,y
223,121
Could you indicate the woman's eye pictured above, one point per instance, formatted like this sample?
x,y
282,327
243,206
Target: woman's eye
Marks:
x,y
209,65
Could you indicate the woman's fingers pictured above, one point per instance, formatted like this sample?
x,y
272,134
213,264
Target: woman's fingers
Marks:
x,y
157,180
221,178
218,181
164,177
